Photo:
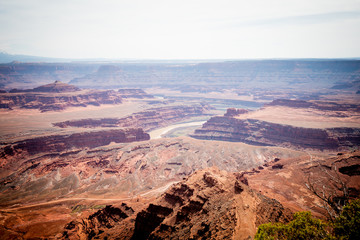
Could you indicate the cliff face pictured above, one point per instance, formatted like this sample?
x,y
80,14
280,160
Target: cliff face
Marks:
x,y
148,120
264,133
323,105
59,143
134,93
56,87
58,101
68,166
103,220
287,179
210,204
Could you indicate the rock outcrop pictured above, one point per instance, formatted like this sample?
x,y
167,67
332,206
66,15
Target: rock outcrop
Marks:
x,y
231,112
54,101
287,180
99,223
60,143
134,93
320,105
209,204
148,119
257,132
56,87
68,166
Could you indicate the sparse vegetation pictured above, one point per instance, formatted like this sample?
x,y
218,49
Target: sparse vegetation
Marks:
x,y
347,225
332,190
304,226
80,208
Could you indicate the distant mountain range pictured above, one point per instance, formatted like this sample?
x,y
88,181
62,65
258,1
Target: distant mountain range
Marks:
x,y
8,58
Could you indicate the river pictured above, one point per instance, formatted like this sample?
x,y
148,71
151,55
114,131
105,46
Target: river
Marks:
x,y
157,133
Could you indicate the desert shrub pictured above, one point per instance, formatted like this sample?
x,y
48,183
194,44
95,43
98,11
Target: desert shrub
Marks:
x,y
303,227
347,225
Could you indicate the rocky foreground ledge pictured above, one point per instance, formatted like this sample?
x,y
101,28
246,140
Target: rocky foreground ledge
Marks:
x,y
209,204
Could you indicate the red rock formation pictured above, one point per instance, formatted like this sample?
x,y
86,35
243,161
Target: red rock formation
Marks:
x,y
320,105
59,143
58,101
56,87
148,120
97,223
231,112
62,167
134,93
287,180
264,133
207,205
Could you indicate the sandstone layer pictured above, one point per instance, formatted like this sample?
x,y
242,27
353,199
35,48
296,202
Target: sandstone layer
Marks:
x,y
127,169
209,204
148,119
134,93
320,105
60,143
283,129
56,87
287,180
264,133
58,101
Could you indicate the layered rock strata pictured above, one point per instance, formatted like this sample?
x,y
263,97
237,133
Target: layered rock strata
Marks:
x,y
148,119
262,133
56,87
134,93
60,143
58,101
319,105
288,180
114,171
209,204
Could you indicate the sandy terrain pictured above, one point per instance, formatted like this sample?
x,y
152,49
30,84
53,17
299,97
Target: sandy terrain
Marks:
x,y
301,117
18,124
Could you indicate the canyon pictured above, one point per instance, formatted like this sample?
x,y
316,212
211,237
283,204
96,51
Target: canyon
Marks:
x,y
106,150
150,119
240,126
208,204
58,96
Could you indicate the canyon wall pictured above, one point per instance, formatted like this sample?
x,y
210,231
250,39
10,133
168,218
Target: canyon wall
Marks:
x,y
68,166
134,93
209,204
60,143
56,102
319,105
148,119
257,132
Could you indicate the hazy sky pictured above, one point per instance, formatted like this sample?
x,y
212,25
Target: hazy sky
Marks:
x,y
181,29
